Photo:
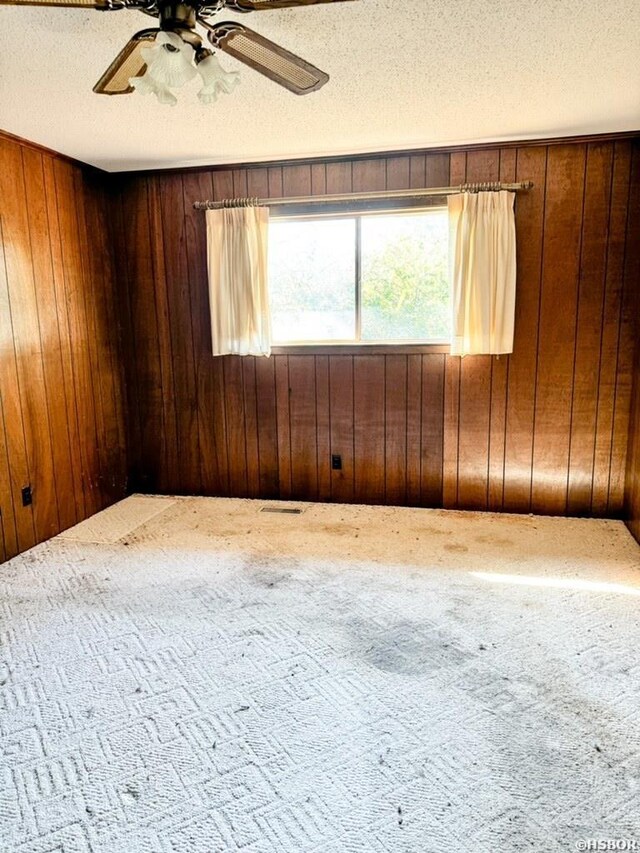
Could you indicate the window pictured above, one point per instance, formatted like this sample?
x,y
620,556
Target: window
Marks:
x,y
370,279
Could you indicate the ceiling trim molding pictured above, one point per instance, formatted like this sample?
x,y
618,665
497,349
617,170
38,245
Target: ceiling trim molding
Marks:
x,y
382,155
338,158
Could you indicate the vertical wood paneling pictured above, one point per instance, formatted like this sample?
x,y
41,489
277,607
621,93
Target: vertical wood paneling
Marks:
x,y
341,406
210,435
181,324
250,426
61,413
530,211
275,183
239,180
369,428
437,169
296,180
121,271
623,436
283,426
78,333
339,178
318,179
28,348
141,304
60,491
223,183
169,479
89,273
110,373
267,427
544,428
499,385
418,171
67,388
433,426
632,505
395,429
414,428
611,326
9,533
369,175
236,437
323,427
457,175
566,167
13,421
632,485
398,173
303,436
591,291
257,183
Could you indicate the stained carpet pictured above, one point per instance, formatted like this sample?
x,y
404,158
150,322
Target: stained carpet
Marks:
x,y
193,675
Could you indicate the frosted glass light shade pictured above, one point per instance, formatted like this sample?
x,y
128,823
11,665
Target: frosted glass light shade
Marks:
x,y
215,79
146,85
168,66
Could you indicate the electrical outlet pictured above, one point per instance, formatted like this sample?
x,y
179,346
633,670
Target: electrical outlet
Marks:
x,y
27,497
336,462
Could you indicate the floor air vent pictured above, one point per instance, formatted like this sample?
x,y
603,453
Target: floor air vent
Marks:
x,y
287,510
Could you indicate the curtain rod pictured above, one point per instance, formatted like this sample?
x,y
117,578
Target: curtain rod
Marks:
x,y
353,197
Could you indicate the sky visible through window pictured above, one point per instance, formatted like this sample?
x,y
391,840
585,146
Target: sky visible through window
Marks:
x,y
397,263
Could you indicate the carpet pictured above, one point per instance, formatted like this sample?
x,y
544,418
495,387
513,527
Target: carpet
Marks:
x,y
193,675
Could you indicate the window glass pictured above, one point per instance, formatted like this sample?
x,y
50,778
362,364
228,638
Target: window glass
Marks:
x,y
360,279
404,279
312,280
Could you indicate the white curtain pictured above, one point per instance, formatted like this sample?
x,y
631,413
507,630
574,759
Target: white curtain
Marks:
x,y
482,251
238,293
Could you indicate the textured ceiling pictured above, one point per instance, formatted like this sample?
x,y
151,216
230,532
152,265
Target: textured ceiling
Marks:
x,y
404,74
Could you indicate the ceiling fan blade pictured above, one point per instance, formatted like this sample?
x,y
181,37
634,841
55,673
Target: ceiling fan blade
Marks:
x,y
128,63
256,5
266,57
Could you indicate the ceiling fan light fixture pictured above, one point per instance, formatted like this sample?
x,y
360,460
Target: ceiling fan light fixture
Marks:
x,y
215,79
169,60
168,67
169,63
147,85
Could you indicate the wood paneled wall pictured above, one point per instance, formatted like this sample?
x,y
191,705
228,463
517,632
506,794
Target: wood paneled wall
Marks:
x,y
61,408
632,496
632,506
544,430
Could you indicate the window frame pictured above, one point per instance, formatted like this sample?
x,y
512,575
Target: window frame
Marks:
x,y
397,347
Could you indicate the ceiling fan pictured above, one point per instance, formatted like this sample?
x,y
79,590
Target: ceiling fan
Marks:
x,y
166,46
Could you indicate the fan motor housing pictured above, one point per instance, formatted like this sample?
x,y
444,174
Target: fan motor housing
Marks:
x,y
177,15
